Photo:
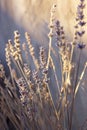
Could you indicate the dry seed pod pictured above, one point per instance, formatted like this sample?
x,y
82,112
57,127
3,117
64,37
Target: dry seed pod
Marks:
x,y
42,57
7,55
2,72
27,70
16,34
50,35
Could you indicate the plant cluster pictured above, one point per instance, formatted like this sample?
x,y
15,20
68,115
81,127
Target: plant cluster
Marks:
x,y
26,100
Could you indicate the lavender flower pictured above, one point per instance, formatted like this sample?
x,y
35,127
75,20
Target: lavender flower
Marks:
x,y
81,5
81,33
81,45
82,0
82,23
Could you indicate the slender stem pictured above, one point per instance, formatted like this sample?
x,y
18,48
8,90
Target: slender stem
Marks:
x,y
49,51
11,76
40,95
27,82
73,99
52,101
55,75
81,77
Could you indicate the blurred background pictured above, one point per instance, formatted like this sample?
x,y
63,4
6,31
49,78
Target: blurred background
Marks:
x,y
33,16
